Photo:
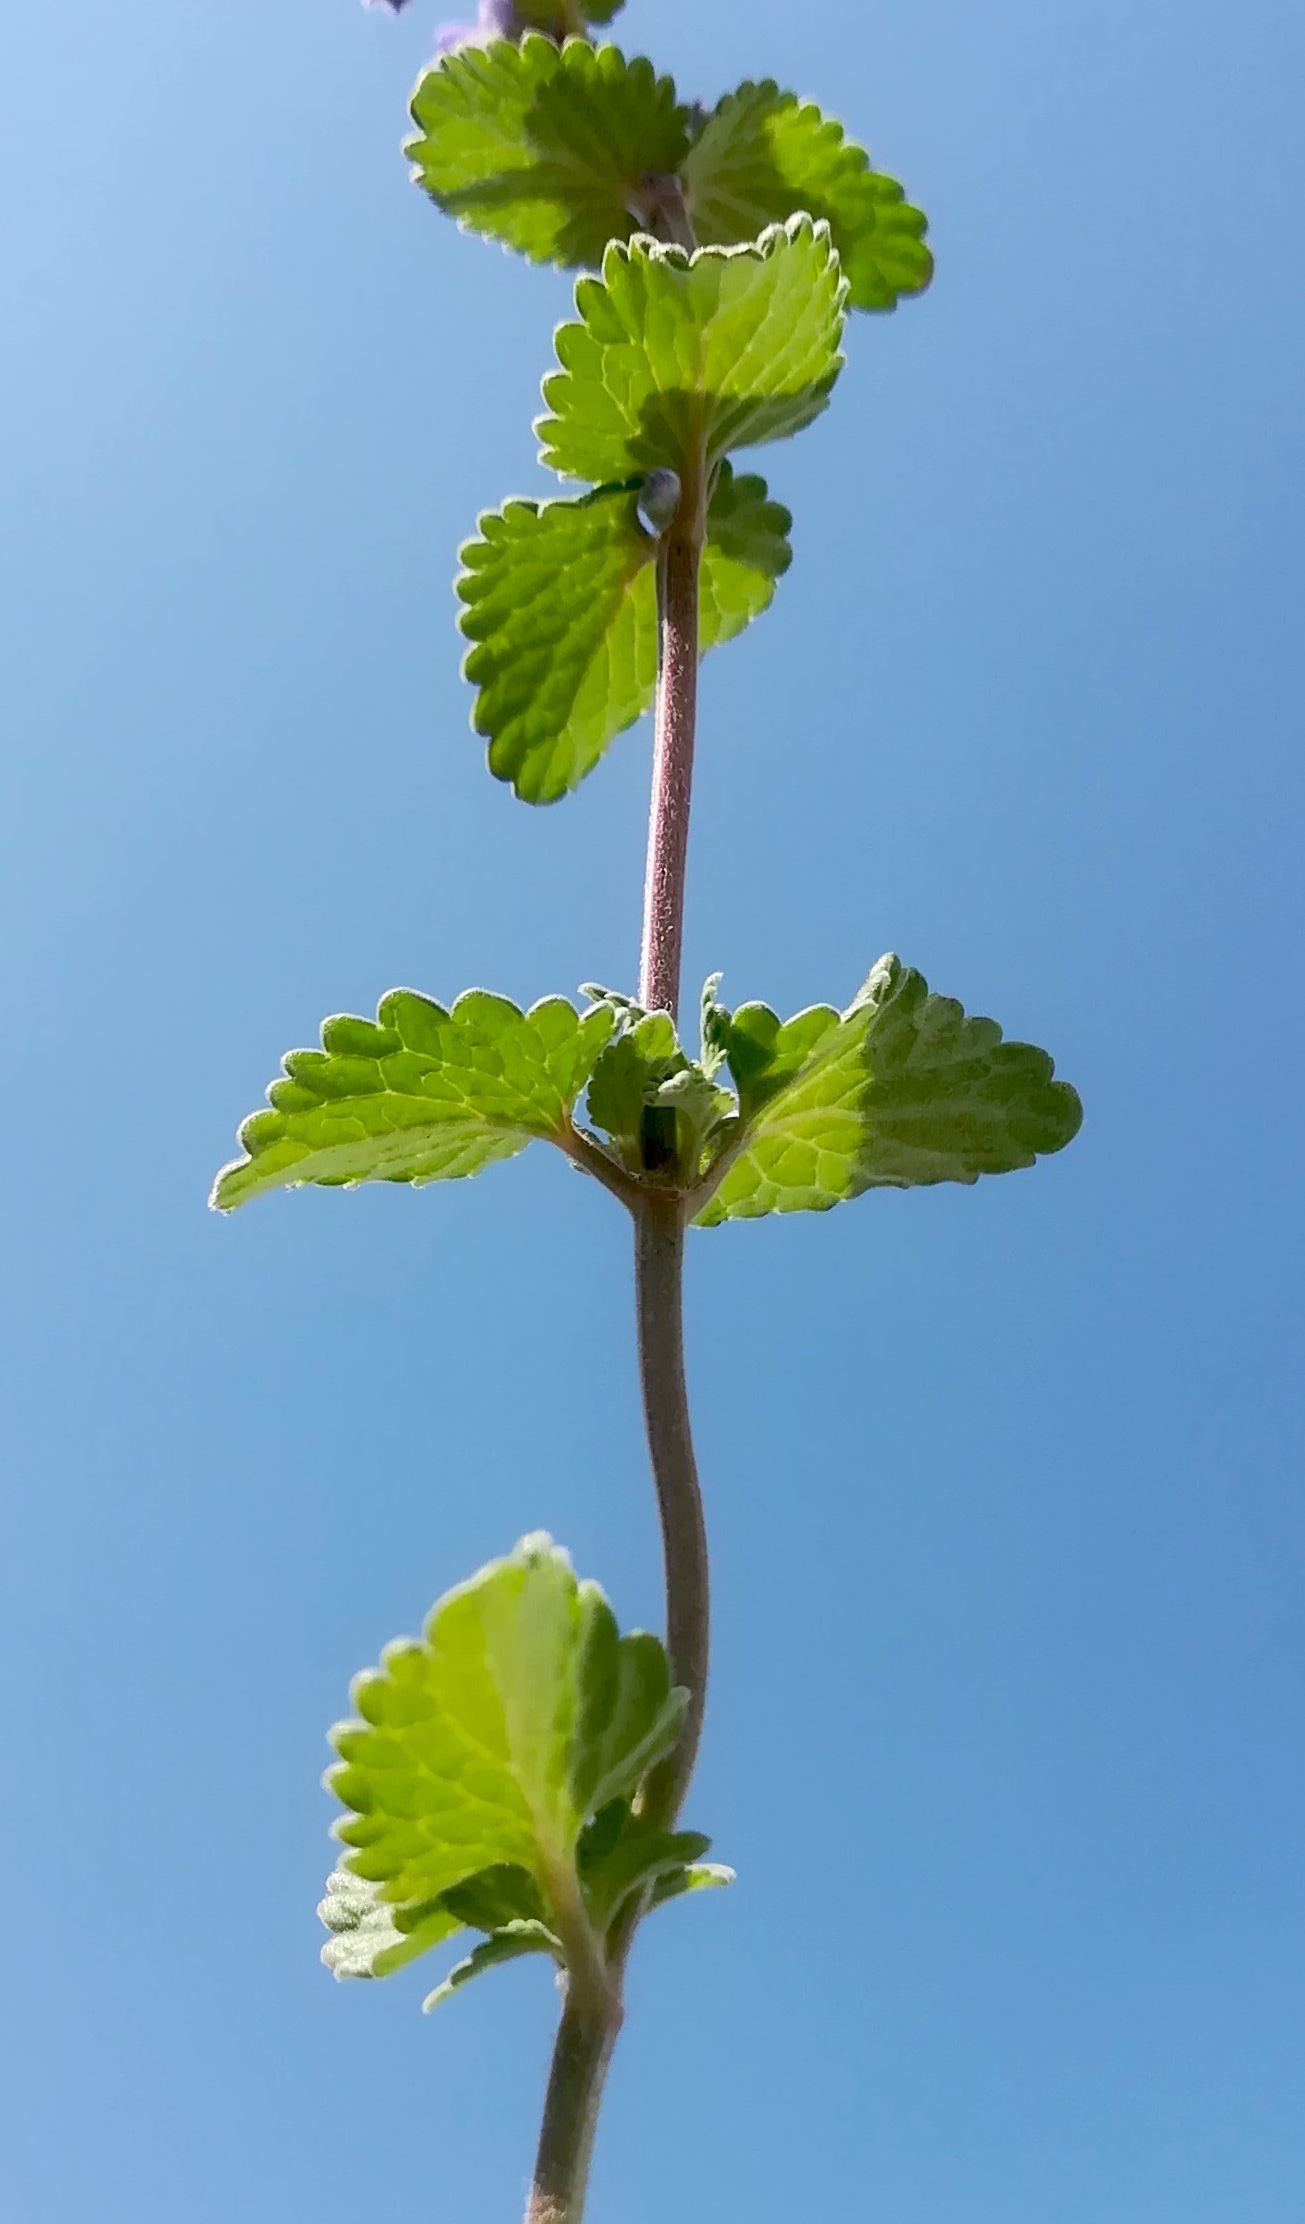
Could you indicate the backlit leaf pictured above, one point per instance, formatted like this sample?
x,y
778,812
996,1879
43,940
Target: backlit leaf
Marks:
x,y
899,1091
560,602
764,154
546,148
730,346
421,1095
493,1738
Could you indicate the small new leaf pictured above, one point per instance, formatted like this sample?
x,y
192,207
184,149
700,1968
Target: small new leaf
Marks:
x,y
702,1876
658,1108
546,148
764,154
492,1739
901,1090
509,1944
421,1095
631,1855
729,346
560,602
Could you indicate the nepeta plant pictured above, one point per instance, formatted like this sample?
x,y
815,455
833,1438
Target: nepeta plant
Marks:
x,y
518,1772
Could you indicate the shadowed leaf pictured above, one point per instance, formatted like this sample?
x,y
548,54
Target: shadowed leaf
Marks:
x,y
764,155
545,148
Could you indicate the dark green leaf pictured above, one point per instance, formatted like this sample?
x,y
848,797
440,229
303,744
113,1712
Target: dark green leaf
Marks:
x,y
560,601
635,1855
493,1898
505,1945
732,345
900,1090
764,155
422,1095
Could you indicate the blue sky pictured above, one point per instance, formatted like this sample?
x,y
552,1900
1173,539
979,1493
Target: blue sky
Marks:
x,y
1005,1484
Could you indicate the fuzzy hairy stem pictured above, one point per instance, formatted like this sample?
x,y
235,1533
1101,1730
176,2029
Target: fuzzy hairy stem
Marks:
x,y
589,2027
583,2050
678,565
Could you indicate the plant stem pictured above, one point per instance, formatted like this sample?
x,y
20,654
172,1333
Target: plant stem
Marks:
x,y
678,565
575,2089
659,1303
590,2024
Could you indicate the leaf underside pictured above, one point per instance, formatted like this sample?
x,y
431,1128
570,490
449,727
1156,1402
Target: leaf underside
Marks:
x,y
764,154
491,1780
559,600
556,151
733,346
492,1739
900,1091
545,148
423,1094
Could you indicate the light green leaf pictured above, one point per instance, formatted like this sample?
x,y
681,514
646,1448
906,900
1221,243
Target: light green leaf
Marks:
x,y
492,1739
764,154
900,1090
423,1095
733,345
365,1940
560,601
546,148
505,1945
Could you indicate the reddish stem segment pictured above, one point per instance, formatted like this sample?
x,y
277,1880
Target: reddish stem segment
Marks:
x,y
679,563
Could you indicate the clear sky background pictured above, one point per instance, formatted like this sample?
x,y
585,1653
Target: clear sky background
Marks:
x,y
1005,1484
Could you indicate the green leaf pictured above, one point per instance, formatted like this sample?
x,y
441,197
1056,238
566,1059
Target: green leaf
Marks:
x,y
365,1940
560,601
746,554
556,151
733,345
702,1876
423,1095
764,154
546,148
657,1106
494,1898
505,1945
629,1858
494,1738
900,1090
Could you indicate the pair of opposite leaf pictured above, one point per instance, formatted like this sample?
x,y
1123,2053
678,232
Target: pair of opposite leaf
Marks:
x,y
901,1090
574,155
491,1778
